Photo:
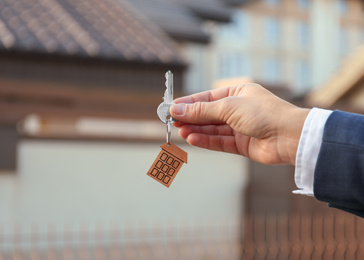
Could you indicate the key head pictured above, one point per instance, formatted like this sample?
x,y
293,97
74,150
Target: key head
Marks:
x,y
163,113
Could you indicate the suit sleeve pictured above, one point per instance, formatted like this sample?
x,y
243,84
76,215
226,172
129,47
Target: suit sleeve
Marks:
x,y
339,172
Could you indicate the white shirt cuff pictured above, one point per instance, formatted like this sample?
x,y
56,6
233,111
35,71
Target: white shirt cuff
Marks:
x,y
308,150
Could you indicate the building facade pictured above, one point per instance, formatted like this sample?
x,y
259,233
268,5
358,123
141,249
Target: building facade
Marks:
x,y
80,83
295,43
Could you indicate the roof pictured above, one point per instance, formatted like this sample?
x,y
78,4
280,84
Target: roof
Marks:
x,y
108,29
175,151
183,19
340,83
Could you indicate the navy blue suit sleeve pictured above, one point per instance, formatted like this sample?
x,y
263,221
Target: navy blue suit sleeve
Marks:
x,y
339,172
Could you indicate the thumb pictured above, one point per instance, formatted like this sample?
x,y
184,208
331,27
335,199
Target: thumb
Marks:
x,y
197,113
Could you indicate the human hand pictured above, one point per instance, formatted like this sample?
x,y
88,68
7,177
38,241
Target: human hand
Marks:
x,y
246,119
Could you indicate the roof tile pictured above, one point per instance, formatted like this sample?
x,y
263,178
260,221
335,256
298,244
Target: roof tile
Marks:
x,y
90,28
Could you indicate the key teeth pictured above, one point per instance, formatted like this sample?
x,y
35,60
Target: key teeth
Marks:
x,y
167,75
166,84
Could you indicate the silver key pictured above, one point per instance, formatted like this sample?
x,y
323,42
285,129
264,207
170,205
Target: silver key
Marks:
x,y
163,108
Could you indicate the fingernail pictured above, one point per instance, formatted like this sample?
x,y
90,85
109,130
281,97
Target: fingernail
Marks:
x,y
179,109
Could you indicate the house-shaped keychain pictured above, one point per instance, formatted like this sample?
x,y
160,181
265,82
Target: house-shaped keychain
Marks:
x,y
167,164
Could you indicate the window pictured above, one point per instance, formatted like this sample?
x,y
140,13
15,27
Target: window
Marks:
x,y
271,69
302,35
271,31
342,6
304,4
303,75
237,28
233,65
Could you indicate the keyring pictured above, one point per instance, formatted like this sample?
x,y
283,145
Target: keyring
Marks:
x,y
169,128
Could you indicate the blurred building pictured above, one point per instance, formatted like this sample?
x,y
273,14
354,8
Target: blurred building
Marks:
x,y
80,82
344,89
296,43
191,24
62,60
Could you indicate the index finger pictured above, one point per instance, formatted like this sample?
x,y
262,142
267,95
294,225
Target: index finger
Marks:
x,y
206,96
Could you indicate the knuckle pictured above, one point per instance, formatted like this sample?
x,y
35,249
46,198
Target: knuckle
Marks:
x,y
244,88
196,109
254,85
225,108
224,104
251,86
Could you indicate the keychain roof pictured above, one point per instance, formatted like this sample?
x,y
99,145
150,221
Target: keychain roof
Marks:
x,y
167,164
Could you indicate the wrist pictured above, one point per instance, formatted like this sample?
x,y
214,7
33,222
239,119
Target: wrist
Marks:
x,y
294,126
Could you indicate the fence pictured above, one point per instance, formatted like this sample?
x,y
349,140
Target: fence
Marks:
x,y
332,235
216,241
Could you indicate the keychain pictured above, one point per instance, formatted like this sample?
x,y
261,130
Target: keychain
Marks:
x,y
171,158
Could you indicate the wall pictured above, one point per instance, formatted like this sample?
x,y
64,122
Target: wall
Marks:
x,y
97,185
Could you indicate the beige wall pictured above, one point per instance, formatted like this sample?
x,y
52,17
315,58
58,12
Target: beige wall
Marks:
x,y
101,185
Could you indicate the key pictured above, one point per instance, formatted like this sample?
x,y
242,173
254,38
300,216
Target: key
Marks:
x,y
163,108
171,158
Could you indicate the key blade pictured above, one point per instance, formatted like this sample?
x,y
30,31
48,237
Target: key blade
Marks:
x,y
163,108
168,94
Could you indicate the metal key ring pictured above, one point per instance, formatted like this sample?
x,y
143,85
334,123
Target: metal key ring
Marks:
x,y
169,129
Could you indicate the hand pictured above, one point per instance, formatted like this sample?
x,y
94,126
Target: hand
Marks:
x,y
247,120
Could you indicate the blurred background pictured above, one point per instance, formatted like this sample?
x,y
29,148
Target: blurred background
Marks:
x,y
80,82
